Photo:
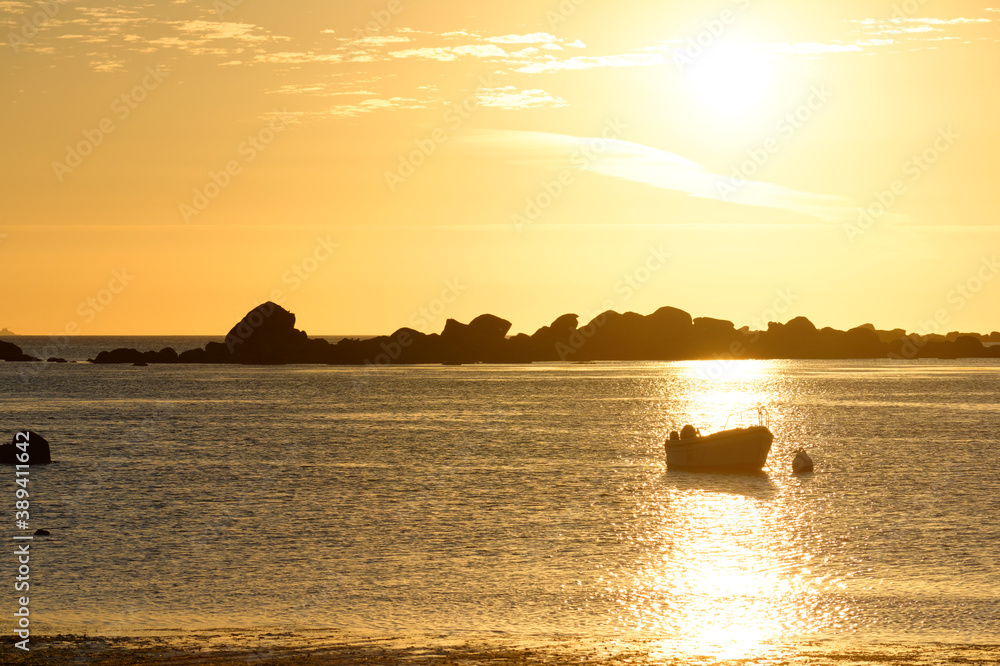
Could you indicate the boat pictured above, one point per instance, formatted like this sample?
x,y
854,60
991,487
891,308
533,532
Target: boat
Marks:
x,y
742,449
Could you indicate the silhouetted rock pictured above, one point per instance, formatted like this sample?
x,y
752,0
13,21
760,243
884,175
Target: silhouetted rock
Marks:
x,y
56,359
267,335
27,442
192,356
556,342
120,355
968,346
490,326
12,353
136,357
483,340
712,336
165,355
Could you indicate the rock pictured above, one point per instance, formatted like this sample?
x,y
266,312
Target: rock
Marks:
x,y
802,462
28,442
671,318
966,346
12,353
556,342
490,326
121,355
265,336
192,356
565,323
42,533
483,340
710,336
165,355
56,359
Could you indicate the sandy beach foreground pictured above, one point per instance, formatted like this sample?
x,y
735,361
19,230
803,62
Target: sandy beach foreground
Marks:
x,y
322,647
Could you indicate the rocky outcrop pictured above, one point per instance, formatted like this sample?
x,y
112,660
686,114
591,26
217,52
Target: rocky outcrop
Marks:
x,y
267,335
27,448
12,353
136,357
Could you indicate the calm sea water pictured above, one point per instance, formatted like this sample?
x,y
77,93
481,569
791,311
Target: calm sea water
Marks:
x,y
525,500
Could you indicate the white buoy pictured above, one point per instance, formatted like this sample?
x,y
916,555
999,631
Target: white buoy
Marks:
x,y
802,462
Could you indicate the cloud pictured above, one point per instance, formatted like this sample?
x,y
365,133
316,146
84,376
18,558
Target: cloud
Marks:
x,y
510,97
889,30
451,53
649,166
296,57
594,62
203,31
533,38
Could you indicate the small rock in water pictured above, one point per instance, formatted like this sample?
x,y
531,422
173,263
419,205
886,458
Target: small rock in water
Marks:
x,y
42,533
802,462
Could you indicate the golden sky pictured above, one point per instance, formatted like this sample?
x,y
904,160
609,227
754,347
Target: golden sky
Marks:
x,y
167,165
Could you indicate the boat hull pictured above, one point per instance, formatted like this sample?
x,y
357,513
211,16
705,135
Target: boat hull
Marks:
x,y
739,450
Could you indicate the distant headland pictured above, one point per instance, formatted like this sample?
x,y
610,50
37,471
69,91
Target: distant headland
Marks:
x,y
267,336
8,334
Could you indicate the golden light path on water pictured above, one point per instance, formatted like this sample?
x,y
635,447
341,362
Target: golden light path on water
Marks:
x,y
729,577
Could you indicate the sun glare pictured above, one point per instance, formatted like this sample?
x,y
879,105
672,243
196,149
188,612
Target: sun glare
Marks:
x,y
732,81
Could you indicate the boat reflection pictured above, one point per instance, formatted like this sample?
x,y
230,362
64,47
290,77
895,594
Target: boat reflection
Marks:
x,y
756,485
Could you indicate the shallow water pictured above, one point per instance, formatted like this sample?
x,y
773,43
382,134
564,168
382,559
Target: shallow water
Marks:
x,y
523,500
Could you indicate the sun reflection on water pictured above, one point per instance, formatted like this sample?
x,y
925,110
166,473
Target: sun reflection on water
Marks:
x,y
713,396
725,578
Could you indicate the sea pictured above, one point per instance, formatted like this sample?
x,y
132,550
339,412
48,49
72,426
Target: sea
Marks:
x,y
511,501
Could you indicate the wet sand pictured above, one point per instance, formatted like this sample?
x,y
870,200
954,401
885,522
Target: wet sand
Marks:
x,y
249,647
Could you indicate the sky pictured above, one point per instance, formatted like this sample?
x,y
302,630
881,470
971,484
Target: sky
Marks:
x,y
168,165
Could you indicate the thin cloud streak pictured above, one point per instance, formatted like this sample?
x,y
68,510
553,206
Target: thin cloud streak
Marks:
x,y
650,166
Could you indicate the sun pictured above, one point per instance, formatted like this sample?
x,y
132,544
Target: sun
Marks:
x,y
732,82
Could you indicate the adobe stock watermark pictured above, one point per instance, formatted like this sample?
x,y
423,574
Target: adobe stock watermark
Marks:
x,y
421,318
246,152
425,148
784,131
121,108
535,206
87,310
562,12
713,30
22,516
913,170
304,269
958,298
722,365
907,9
295,277
31,24
626,288
223,7
381,19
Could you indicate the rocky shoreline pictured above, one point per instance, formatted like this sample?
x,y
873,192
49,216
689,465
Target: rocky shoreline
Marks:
x,y
267,336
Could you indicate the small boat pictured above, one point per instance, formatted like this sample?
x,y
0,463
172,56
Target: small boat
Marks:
x,y
742,449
